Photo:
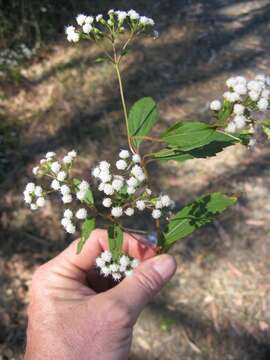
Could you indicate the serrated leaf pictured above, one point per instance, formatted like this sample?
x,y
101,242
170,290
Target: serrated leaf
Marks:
x,y
141,119
115,235
87,227
200,212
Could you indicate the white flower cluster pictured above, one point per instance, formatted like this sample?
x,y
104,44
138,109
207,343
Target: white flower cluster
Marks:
x,y
66,221
90,25
126,191
117,270
246,97
34,196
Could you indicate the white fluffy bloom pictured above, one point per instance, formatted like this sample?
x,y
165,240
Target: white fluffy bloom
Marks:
x,y
80,195
33,207
105,176
255,85
131,190
105,271
107,202
129,211
140,205
133,15
254,95
124,154
159,204
38,190
81,214
65,222
240,121
70,228
104,165
156,214
114,267
55,185
68,214
73,37
99,17
43,161
67,159
215,105
89,20
231,96
136,171
64,189
148,191
231,82
96,172
87,28
240,89
80,19
238,109
141,177
165,200
117,184
121,164
265,94
231,128
30,187
262,104
67,198
124,260
35,170
121,15
136,158
108,189
50,154
27,198
40,201
116,276
70,30
55,167
132,182
84,186
106,256
72,153
144,20
61,175
100,262
117,211
101,186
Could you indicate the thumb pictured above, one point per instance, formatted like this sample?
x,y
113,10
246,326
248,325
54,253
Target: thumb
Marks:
x,y
147,280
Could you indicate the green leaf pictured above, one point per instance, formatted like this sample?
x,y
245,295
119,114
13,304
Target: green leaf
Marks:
x,y
191,135
87,227
202,211
115,235
100,60
89,198
224,114
142,117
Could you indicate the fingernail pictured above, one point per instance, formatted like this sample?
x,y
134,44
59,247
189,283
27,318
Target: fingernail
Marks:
x,y
165,265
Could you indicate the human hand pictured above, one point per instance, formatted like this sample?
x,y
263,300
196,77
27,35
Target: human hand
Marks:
x,y
76,315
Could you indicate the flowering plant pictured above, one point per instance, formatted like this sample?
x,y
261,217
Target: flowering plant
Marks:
x,y
125,186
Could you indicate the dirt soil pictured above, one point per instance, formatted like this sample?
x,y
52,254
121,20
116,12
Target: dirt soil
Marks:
x,y
217,305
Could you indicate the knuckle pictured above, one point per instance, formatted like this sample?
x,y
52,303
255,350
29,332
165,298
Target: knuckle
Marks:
x,y
149,281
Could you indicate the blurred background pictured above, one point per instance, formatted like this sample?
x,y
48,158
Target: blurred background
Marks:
x,y
54,96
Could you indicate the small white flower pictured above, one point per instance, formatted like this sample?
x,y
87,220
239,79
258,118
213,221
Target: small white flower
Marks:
x,y
122,268
107,202
136,158
156,214
135,263
116,276
231,128
231,96
67,159
61,176
55,167
81,214
121,15
106,256
72,153
89,20
100,262
40,202
27,198
38,191
159,204
240,89
87,28
55,185
141,177
65,222
70,30
70,228
50,154
117,211
101,186
240,121
64,189
117,184
43,161
255,85
108,189
136,171
238,109
129,211
140,205
124,260
254,95
105,271
33,207
265,94
131,190
262,104
80,19
74,37
215,105
241,80
80,195
114,267
252,142
132,182
68,214
105,176
67,198
124,154
30,187
35,170
231,82
99,17
148,191
121,164
133,15
165,200
96,172
111,12
84,186
104,165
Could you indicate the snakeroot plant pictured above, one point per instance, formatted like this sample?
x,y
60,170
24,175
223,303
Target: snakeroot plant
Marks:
x,y
124,187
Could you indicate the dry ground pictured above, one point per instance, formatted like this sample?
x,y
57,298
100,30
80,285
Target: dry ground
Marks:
x,y
217,305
